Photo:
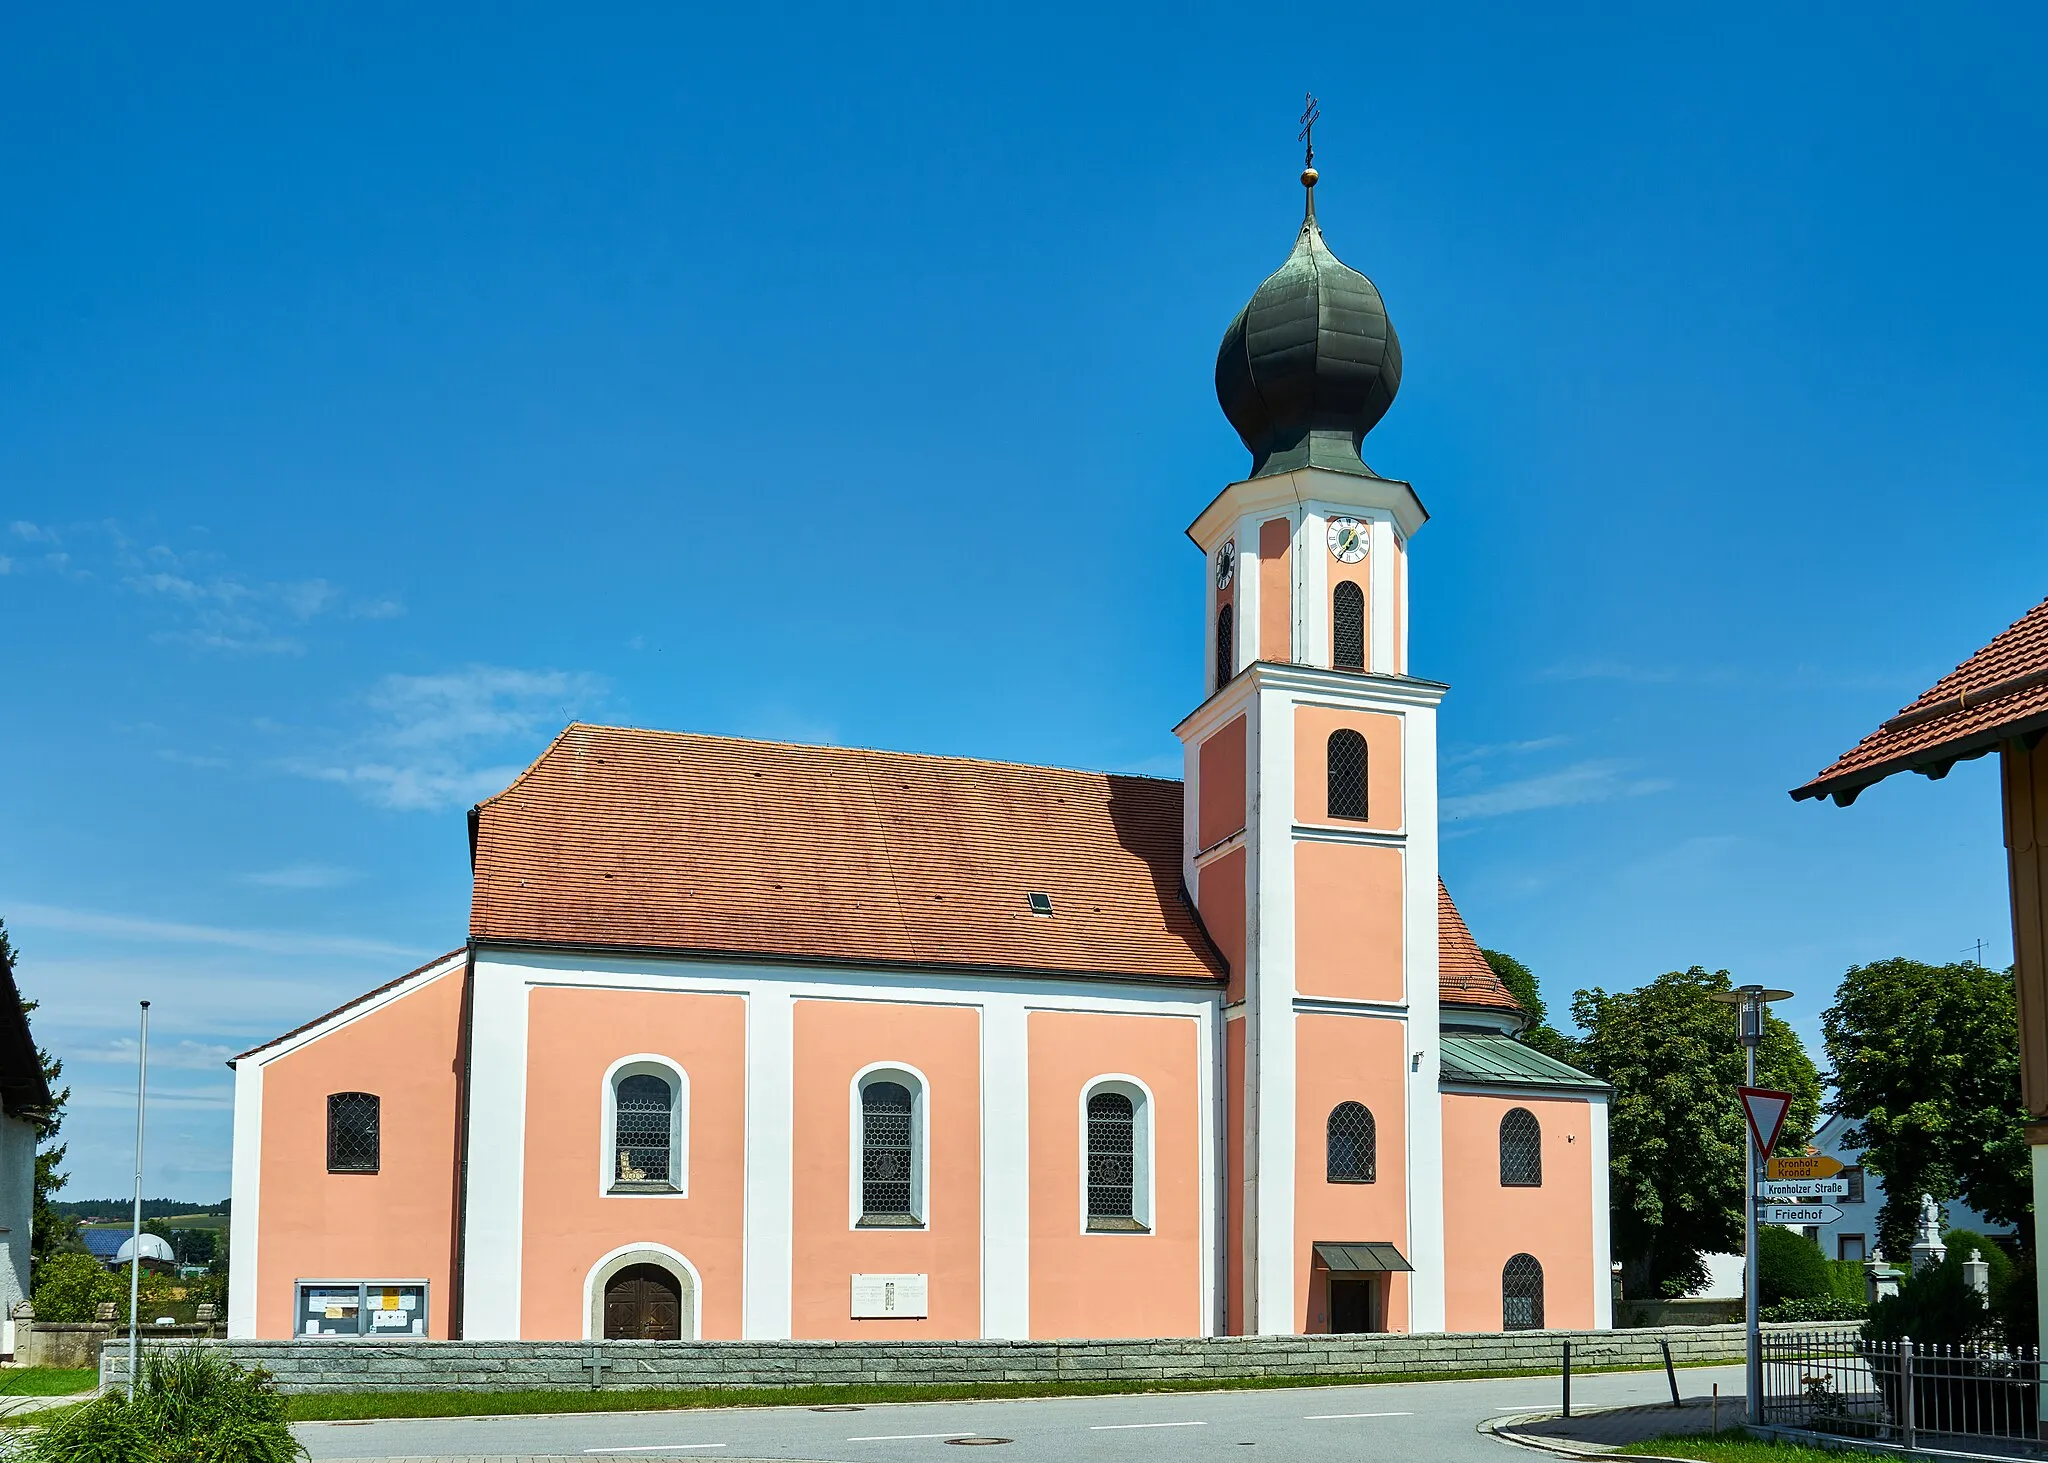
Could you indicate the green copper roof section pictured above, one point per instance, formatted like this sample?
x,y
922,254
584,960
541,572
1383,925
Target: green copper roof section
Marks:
x,y
1310,364
1486,1059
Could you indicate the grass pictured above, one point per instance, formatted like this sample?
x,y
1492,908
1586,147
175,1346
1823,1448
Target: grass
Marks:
x,y
1733,1445
47,1381
355,1406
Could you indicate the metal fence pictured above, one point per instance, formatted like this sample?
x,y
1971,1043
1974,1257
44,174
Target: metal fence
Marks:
x,y
1833,1381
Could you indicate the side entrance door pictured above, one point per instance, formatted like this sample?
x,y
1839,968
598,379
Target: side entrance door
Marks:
x,y
1353,1304
642,1303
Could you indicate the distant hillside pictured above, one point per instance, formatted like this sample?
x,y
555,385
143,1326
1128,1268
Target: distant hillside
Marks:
x,y
121,1209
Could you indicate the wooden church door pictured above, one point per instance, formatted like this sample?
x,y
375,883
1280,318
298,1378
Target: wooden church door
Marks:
x,y
642,1303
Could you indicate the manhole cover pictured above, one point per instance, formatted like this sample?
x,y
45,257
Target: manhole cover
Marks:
x,y
976,1442
839,1407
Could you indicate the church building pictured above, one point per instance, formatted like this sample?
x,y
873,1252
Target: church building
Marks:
x,y
757,1040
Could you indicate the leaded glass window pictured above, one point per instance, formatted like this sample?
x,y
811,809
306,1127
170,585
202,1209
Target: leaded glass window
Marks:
x,y
642,1131
1521,1150
1346,751
352,1132
1521,1294
1112,1160
887,1152
1226,658
1347,626
1351,1144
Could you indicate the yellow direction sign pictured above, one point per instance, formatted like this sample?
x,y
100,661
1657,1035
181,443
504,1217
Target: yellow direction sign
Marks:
x,y
1803,1167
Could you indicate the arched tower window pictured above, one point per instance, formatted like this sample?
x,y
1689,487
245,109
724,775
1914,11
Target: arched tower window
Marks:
x,y
1521,1151
354,1136
891,1151
1351,1144
1226,659
1347,627
1346,752
1521,1294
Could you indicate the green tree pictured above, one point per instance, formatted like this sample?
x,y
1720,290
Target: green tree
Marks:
x,y
1926,1058
49,1231
1521,983
1675,1128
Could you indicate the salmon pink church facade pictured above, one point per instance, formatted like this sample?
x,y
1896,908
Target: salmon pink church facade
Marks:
x,y
755,1040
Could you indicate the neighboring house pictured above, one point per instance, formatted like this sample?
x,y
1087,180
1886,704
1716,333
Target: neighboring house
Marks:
x,y
760,1040
1854,1235
104,1245
24,1095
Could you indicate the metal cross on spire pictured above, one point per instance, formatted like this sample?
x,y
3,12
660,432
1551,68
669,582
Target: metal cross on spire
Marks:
x,y
1311,113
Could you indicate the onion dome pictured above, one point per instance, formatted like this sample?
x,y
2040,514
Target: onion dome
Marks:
x,y
1311,363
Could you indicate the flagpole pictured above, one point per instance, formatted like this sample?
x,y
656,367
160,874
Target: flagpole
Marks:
x,y
135,1238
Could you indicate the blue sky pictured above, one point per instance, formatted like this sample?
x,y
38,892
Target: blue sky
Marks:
x,y
381,386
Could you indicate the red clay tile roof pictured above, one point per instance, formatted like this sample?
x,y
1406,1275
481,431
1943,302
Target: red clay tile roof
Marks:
x,y
671,841
2000,692
454,954
1463,976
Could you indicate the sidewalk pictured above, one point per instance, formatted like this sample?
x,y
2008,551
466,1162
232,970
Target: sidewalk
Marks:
x,y
1601,1430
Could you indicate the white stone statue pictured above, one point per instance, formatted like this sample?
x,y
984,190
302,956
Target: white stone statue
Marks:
x,y
1927,1246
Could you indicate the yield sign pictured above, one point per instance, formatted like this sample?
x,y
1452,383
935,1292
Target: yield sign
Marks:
x,y
1766,1111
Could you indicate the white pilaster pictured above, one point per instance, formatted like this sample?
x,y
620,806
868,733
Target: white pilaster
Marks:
x,y
247,1190
1603,1255
1425,1100
1270,998
494,1216
1006,1169
771,1105
1384,580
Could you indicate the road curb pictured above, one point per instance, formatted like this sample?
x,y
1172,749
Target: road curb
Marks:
x,y
1503,1428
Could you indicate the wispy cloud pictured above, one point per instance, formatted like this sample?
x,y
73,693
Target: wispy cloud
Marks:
x,y
266,942
301,876
212,606
1593,781
1756,678
183,1056
437,740
1460,756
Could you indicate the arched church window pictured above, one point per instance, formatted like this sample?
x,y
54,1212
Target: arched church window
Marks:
x,y
1347,626
890,1157
1521,1150
641,1138
1226,660
1117,1135
1346,750
1351,1144
354,1120
1521,1294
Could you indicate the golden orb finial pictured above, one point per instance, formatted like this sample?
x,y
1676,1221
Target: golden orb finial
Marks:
x,y
1308,177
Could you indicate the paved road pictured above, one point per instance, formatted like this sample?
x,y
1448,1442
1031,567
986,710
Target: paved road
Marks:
x,y
1416,1421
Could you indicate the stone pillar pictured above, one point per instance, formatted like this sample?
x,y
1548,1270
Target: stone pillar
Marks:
x,y
1879,1279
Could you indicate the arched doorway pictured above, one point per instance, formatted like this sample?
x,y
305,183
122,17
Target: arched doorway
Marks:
x,y
643,1303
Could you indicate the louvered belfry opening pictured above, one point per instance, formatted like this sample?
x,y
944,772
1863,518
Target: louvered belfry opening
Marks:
x,y
1521,1294
1351,1144
353,1121
1112,1154
1346,751
642,1139
1347,626
887,1176
1226,655
1521,1150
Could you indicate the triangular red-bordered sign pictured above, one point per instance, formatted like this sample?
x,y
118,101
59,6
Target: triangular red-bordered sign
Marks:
x,y
1766,1111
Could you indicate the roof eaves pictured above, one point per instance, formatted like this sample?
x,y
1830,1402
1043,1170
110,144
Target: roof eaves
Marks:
x,y
1931,761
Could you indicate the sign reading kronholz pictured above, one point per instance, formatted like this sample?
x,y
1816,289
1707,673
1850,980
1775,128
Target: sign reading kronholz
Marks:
x,y
1806,1166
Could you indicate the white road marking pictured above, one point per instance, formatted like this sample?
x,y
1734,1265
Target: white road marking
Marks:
x,y
906,1437
656,1448
1118,1427
1340,1416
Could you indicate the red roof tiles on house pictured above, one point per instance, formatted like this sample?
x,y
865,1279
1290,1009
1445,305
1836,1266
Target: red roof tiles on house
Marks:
x,y
2000,692
671,841
1463,976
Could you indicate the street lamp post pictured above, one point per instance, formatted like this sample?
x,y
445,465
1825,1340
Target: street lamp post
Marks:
x,y
135,1238
1749,1002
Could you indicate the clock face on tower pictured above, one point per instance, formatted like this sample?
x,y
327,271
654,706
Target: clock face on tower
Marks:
x,y
1226,564
1347,540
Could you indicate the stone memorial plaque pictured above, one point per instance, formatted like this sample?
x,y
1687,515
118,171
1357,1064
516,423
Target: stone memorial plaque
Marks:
x,y
878,1296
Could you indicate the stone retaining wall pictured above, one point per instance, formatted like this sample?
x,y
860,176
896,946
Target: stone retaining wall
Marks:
x,y
424,1366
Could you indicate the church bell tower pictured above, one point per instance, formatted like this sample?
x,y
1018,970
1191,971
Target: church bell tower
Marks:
x,y
1311,820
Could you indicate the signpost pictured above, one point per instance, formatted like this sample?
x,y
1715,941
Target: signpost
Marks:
x,y
1803,1166
1765,1111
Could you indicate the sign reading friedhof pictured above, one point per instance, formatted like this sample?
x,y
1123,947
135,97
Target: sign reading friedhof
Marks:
x,y
1803,1189
1798,1213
